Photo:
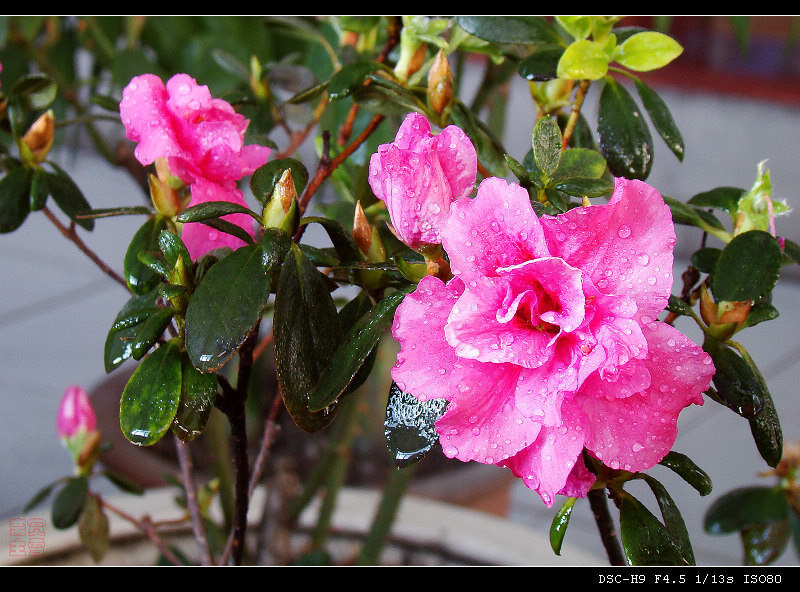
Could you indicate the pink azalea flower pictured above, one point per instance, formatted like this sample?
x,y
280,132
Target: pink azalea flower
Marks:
x,y
75,413
202,139
546,341
419,175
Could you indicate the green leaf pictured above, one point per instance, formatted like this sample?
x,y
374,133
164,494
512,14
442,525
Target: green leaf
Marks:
x,y
743,507
510,29
307,331
579,27
748,267
15,190
678,306
264,178
542,63
558,528
69,502
585,187
759,313
139,277
198,394
764,543
580,163
213,209
409,426
93,528
766,429
354,349
150,399
69,197
705,259
546,146
738,386
625,140
150,331
38,190
349,78
673,521
36,91
583,60
120,337
342,239
662,119
227,304
688,471
647,51
645,540
723,198
39,497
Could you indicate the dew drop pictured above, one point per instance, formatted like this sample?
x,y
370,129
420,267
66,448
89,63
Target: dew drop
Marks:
x,y
624,231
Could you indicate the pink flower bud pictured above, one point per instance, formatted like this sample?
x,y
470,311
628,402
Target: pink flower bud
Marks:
x,y
75,413
419,175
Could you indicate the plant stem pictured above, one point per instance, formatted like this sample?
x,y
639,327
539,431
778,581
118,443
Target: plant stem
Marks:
x,y
583,87
599,505
185,462
73,236
384,517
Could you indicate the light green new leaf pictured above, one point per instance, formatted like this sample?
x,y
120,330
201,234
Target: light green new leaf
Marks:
x,y
647,51
583,60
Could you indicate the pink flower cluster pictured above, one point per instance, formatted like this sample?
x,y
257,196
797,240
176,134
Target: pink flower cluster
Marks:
x,y
202,139
546,340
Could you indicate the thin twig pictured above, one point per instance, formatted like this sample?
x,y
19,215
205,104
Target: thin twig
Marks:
x,y
69,232
185,462
608,534
583,87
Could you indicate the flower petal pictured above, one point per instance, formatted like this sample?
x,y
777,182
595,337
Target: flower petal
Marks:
x,y
636,432
624,247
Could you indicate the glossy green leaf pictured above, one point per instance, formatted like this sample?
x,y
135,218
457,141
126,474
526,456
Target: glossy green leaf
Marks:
x,y
738,386
357,344
139,277
648,50
93,529
229,227
36,91
150,330
678,306
69,501
307,331
764,543
625,140
645,540
150,399
673,521
69,197
15,203
342,239
263,180
120,337
226,306
39,497
705,259
766,429
172,248
510,29
349,78
583,60
759,313
409,426
748,267
546,146
38,190
792,250
743,507
585,187
198,394
723,198
662,119
558,528
579,27
542,63
213,209
688,471
580,163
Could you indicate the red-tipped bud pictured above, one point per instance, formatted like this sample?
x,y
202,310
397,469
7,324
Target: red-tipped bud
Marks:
x,y
75,413
440,83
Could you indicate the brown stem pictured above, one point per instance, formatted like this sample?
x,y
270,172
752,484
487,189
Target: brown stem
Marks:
x,y
583,87
608,534
69,232
270,432
185,462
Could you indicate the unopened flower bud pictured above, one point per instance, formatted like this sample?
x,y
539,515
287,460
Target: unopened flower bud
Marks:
x,y
165,199
76,424
412,55
282,210
367,237
39,137
723,318
440,83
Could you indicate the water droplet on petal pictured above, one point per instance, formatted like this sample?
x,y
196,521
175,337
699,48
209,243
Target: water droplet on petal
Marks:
x,y
624,231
